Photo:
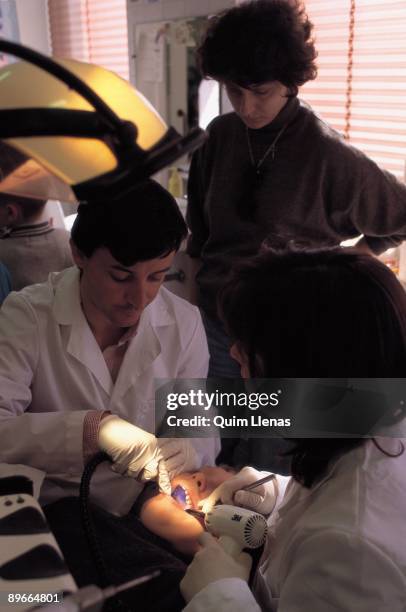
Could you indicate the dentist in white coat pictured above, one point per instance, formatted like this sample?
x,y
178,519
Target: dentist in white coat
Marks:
x,y
79,355
337,535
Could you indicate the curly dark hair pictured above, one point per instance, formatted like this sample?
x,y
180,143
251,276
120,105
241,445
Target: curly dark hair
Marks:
x,y
260,41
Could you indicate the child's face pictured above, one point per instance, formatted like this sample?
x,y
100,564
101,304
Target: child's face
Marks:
x,y
189,488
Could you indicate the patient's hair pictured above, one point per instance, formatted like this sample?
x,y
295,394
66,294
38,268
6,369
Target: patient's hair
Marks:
x,y
259,41
332,313
10,160
29,207
145,223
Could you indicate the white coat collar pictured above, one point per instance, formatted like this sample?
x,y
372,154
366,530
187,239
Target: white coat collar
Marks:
x,y
66,304
82,344
365,457
67,301
143,349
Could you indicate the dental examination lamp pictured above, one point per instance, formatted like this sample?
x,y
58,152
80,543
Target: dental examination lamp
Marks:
x,y
76,132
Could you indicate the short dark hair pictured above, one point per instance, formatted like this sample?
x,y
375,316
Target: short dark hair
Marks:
x,y
28,206
259,41
328,313
145,223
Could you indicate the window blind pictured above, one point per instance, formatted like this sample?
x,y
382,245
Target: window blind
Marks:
x,y
361,85
93,31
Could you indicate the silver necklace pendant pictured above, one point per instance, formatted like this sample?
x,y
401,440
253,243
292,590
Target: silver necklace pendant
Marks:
x,y
5,231
271,149
254,174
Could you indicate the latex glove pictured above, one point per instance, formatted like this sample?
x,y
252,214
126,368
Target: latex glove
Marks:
x,y
134,452
210,564
262,499
179,455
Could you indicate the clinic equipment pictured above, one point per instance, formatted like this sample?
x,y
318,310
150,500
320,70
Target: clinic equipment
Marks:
x,y
236,528
32,563
30,559
91,598
76,132
258,483
180,495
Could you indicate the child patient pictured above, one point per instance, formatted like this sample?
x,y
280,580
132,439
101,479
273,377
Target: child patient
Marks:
x,y
166,517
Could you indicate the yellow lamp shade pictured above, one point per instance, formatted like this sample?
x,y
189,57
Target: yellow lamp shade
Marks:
x,y
72,160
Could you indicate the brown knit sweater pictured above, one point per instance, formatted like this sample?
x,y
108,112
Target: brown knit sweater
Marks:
x,y
315,189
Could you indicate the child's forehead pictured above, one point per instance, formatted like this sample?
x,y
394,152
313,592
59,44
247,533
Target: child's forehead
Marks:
x,y
211,472
216,469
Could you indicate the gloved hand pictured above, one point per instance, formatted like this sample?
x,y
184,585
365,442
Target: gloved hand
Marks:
x,y
210,564
134,452
262,499
179,455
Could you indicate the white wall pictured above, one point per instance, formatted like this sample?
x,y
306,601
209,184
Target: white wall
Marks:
x,y
159,10
177,82
141,11
33,24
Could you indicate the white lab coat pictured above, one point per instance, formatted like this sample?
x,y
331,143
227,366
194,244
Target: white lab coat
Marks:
x,y
340,546
52,372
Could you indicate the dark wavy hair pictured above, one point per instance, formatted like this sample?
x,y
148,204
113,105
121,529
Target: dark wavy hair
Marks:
x,y
259,41
145,223
328,313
